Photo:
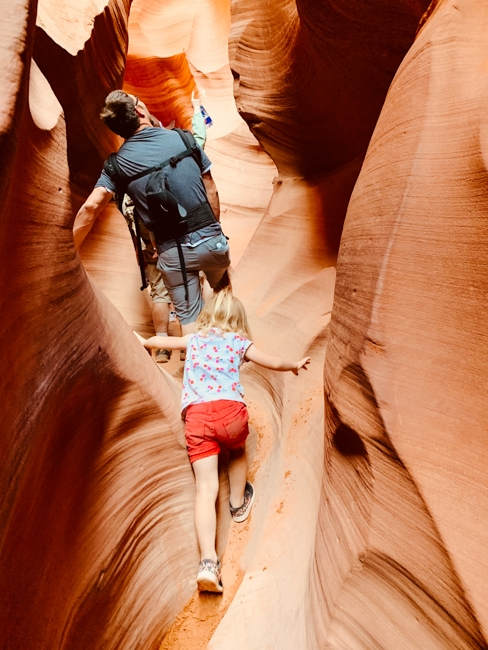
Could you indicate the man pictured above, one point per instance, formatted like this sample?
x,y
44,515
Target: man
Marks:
x,y
160,299
205,248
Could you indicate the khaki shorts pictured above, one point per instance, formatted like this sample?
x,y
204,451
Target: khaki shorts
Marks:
x,y
157,290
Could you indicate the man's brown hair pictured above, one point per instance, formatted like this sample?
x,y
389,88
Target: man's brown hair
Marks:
x,y
119,114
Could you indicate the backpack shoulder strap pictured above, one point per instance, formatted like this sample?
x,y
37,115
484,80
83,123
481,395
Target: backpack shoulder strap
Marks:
x,y
187,137
190,143
111,167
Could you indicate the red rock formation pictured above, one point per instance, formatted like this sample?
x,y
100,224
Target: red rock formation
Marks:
x,y
91,436
406,362
375,538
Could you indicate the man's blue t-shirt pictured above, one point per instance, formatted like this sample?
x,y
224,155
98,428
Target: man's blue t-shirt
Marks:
x,y
153,145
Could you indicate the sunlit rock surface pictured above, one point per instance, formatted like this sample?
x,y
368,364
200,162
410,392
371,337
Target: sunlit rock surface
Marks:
x,y
368,529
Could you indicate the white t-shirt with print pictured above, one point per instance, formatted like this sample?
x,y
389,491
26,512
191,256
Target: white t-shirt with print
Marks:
x,y
212,367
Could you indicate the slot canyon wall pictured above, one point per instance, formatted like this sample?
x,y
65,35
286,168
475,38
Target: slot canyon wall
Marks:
x,y
350,147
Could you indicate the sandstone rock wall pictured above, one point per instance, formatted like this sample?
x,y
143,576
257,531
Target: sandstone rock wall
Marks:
x,y
406,358
368,530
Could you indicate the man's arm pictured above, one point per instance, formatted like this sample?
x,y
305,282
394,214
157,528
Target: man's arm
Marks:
x,y
212,194
88,213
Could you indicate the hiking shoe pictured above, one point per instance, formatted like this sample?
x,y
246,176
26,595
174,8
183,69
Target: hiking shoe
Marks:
x,y
162,356
242,513
209,578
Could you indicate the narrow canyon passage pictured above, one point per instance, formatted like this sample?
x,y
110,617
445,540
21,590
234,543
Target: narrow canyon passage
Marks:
x,y
349,146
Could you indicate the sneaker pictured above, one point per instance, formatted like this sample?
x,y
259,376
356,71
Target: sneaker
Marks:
x,y
209,578
162,356
242,513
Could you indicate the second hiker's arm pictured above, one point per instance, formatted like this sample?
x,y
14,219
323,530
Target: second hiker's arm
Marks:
x,y
88,214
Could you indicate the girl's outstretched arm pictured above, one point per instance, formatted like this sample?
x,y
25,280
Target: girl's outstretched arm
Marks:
x,y
164,342
275,363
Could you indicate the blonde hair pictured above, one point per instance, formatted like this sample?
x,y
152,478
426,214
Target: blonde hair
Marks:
x,y
224,311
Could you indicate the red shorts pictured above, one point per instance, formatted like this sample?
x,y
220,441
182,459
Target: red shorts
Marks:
x,y
212,424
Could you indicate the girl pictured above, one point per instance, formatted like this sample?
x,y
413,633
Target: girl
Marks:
x,y
216,416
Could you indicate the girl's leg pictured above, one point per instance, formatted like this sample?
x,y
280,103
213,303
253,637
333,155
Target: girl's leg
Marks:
x,y
207,486
237,475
